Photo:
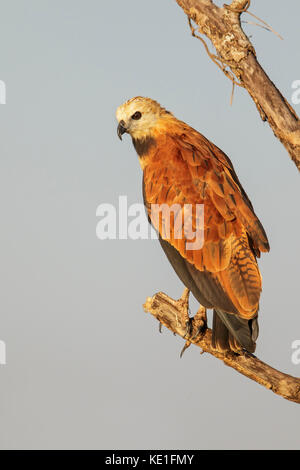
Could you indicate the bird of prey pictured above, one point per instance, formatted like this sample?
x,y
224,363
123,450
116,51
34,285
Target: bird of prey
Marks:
x,y
182,167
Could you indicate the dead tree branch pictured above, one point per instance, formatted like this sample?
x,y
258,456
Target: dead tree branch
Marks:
x,y
238,58
168,312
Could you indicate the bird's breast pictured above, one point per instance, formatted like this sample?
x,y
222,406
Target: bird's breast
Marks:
x,y
168,181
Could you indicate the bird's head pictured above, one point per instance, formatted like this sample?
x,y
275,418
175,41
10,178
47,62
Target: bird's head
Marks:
x,y
139,116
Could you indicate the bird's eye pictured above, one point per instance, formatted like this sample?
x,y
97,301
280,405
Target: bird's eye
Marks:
x,y
137,115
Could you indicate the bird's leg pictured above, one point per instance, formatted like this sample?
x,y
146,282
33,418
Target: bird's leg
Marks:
x,y
185,319
199,322
184,303
196,327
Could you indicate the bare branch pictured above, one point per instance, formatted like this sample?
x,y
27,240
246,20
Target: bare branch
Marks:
x,y
167,311
223,27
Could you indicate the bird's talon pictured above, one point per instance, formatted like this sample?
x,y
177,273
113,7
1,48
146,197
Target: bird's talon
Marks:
x,y
187,345
196,326
199,332
188,328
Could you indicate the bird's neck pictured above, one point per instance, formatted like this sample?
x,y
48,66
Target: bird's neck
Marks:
x,y
144,146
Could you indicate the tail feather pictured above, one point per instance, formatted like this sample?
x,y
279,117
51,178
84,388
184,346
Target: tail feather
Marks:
x,y
233,333
230,332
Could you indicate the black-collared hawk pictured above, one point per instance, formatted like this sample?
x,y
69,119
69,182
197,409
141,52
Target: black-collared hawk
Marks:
x,y
181,167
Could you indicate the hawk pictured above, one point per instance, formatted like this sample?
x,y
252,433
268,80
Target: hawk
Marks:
x,y
182,168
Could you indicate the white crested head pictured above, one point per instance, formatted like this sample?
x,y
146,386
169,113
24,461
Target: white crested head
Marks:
x,y
138,116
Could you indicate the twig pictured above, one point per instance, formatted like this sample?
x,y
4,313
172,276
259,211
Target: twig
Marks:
x,y
267,27
166,310
233,8
216,60
213,57
256,24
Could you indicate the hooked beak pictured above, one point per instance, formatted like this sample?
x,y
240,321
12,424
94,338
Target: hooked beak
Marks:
x,y
121,129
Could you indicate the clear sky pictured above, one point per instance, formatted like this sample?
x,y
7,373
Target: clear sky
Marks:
x,y
86,367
